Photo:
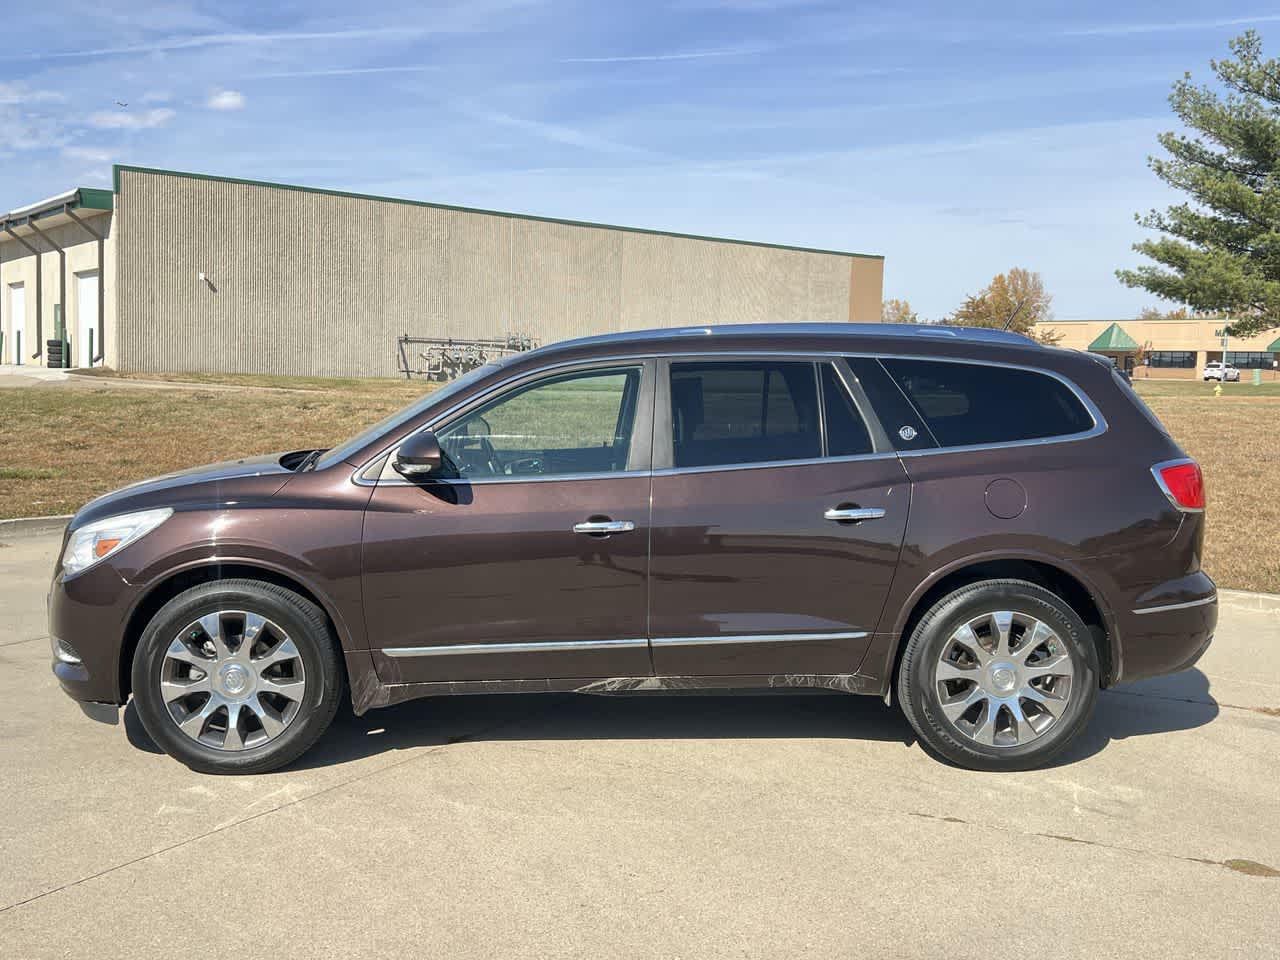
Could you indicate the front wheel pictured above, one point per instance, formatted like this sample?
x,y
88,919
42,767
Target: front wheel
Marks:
x,y
999,675
237,676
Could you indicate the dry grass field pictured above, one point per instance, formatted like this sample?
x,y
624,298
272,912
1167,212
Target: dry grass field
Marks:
x,y
1236,439
65,444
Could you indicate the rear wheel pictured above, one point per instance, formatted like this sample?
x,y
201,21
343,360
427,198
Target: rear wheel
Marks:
x,y
999,675
237,676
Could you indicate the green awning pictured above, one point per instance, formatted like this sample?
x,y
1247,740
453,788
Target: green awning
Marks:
x,y
1275,346
1113,338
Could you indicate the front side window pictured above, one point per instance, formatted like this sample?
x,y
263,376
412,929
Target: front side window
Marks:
x,y
969,403
751,411
574,423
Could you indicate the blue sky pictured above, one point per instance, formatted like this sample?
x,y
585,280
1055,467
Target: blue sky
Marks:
x,y
956,139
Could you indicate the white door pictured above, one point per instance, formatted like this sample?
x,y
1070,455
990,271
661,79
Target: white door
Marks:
x,y
16,343
87,345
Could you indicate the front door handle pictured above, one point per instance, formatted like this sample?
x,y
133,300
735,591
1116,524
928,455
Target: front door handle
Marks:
x,y
604,527
854,514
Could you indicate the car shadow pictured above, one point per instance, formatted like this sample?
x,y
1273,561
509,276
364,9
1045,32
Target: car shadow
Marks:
x,y
1166,705
1161,705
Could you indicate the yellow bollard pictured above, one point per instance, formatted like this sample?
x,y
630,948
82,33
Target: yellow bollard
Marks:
x,y
1217,389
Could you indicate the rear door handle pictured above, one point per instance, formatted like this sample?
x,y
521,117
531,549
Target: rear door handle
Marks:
x,y
853,513
605,527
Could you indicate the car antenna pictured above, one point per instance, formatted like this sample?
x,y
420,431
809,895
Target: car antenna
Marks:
x,y
1016,310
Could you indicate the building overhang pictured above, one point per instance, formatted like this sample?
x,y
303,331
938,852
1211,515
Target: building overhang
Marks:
x,y
88,201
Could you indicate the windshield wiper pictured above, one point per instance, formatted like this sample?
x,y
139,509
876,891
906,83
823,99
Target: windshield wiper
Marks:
x,y
309,461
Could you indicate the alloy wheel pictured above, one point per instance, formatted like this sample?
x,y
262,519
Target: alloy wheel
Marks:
x,y
232,680
1004,679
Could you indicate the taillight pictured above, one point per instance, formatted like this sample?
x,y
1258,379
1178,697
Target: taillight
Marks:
x,y
1182,483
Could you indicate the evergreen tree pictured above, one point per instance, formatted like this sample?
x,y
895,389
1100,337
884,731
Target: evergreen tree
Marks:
x,y
1220,252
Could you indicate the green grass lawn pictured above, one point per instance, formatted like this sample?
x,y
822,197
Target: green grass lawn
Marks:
x,y
1270,387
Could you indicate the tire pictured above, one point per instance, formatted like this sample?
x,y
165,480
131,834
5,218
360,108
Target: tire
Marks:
x,y
284,697
1060,671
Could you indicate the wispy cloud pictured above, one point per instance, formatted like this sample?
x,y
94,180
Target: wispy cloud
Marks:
x,y
553,132
90,154
1166,26
345,71
225,40
226,100
12,94
650,57
125,120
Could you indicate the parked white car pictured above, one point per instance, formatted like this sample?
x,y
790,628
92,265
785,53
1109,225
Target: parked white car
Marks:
x,y
1217,370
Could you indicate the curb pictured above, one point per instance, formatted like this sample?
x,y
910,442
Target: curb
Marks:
x,y
1244,600
33,526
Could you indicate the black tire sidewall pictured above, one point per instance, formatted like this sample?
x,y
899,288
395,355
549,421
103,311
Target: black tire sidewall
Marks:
x,y
917,691
306,626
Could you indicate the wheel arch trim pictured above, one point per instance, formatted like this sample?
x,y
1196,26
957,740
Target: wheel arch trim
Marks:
x,y
358,659
907,610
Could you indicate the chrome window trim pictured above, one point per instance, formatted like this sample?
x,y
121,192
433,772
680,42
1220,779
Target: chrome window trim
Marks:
x,y
1100,423
549,646
756,638
770,464
398,481
1177,606
1164,487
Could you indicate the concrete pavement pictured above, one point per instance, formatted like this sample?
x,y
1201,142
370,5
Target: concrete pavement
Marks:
x,y
644,827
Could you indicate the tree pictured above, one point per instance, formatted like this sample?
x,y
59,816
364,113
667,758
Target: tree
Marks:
x,y
897,311
997,302
1220,252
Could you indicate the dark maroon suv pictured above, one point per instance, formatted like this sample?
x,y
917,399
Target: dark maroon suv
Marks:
x,y
991,528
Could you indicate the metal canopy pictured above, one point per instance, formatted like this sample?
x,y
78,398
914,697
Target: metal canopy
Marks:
x,y
1114,338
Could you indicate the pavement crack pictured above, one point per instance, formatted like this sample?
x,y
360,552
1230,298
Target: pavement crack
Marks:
x,y
1265,711
1248,867
429,751
14,643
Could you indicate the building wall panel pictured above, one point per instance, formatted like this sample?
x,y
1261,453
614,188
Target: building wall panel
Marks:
x,y
310,283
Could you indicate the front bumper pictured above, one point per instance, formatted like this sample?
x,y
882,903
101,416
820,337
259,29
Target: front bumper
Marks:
x,y
87,618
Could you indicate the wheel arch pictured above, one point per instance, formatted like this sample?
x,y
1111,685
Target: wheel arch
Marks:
x,y
177,581
1074,589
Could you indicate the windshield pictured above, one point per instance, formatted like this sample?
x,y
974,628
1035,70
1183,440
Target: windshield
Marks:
x,y
401,417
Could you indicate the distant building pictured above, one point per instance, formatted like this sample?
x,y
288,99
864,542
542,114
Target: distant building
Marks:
x,y
182,272
1168,348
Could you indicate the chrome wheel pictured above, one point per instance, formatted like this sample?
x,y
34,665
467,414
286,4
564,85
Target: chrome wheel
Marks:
x,y
1004,679
232,680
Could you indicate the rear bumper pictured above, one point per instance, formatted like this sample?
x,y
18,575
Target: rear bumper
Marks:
x,y
1168,630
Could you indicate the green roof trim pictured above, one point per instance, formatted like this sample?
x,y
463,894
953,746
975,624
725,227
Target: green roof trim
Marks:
x,y
1114,338
94,199
1274,346
120,168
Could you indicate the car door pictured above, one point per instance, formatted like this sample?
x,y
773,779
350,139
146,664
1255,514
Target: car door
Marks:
x,y
778,517
531,561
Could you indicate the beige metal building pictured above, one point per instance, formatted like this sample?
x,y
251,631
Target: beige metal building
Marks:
x,y
1168,347
213,274
57,252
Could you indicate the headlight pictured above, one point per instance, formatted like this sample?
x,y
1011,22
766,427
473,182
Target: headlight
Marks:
x,y
98,540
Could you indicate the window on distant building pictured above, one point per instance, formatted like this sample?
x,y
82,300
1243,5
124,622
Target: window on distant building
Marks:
x,y
1246,360
1181,359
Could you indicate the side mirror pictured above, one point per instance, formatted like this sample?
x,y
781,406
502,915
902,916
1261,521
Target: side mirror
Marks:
x,y
419,456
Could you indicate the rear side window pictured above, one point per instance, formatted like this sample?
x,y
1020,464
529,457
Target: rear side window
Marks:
x,y
847,434
900,420
743,412
969,403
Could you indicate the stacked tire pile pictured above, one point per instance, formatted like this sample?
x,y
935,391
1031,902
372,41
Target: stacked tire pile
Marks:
x,y
54,353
